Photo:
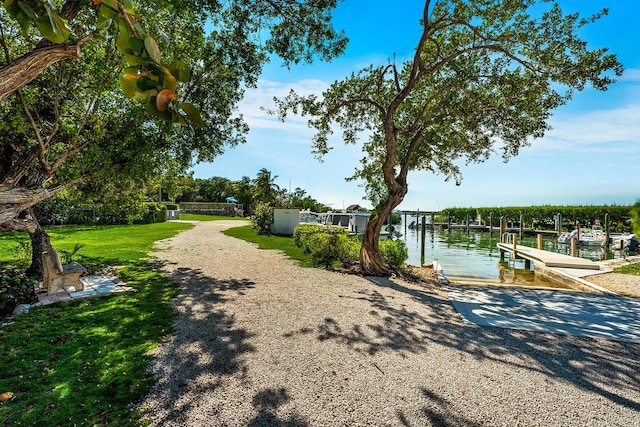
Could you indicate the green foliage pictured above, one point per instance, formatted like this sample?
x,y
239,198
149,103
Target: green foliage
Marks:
x,y
262,218
157,212
635,217
327,244
68,257
328,248
41,15
22,253
633,269
543,216
303,231
394,252
15,289
265,188
396,218
485,78
86,111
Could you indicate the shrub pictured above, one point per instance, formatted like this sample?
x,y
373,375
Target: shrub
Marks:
x,y
22,253
16,289
327,248
156,213
635,217
68,257
394,252
262,218
328,244
303,231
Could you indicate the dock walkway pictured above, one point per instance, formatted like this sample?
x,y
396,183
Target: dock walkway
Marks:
x,y
549,259
566,269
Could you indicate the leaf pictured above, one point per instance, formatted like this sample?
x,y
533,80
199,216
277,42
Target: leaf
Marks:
x,y
128,6
106,12
53,27
145,83
169,81
129,87
152,49
111,3
145,96
151,108
163,98
180,70
134,59
5,396
139,28
27,10
192,112
103,24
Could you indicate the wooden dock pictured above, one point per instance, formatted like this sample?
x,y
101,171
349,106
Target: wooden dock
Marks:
x,y
548,259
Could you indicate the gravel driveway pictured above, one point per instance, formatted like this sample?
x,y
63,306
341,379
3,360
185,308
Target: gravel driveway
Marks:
x,y
260,341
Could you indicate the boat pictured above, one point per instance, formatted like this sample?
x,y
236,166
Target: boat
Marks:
x,y
619,241
587,237
567,236
594,237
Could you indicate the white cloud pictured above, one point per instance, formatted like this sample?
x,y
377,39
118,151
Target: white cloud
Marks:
x,y
603,130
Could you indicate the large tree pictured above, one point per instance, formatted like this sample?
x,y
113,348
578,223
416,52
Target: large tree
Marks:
x,y
94,99
485,77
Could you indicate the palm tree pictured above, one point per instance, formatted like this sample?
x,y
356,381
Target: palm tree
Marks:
x,y
265,187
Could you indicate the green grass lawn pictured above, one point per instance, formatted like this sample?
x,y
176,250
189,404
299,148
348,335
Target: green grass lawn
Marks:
x,y
84,362
264,241
109,245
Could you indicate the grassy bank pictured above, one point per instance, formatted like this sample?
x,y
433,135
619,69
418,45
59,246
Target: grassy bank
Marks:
x,y
84,362
285,244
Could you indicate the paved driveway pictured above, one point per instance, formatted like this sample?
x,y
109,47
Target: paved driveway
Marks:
x,y
609,317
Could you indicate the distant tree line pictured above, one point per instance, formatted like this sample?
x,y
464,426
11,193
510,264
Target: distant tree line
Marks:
x,y
545,216
132,203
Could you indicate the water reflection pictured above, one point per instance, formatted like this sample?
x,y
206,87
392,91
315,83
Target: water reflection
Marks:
x,y
474,254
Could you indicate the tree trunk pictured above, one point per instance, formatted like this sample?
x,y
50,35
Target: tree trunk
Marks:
x,y
15,203
40,242
371,262
370,259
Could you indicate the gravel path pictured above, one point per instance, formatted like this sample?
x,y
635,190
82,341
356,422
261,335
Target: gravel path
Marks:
x,y
262,342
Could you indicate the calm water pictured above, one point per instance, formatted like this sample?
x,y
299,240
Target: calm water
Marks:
x,y
474,255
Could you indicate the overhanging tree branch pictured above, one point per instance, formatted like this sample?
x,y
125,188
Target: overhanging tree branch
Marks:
x,y
29,66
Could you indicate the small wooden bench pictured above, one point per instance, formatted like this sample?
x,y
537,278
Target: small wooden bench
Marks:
x,y
57,276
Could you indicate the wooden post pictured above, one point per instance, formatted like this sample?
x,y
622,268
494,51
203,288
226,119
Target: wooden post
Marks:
x,y
515,243
573,247
405,223
606,230
540,241
422,243
490,223
502,228
521,225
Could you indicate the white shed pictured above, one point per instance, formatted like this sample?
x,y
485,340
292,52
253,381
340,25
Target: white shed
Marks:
x,y
285,221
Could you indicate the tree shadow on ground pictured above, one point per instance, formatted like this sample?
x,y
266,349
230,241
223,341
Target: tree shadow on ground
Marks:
x,y
602,369
266,403
205,349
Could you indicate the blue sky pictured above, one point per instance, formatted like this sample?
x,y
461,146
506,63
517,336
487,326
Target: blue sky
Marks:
x,y
590,157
